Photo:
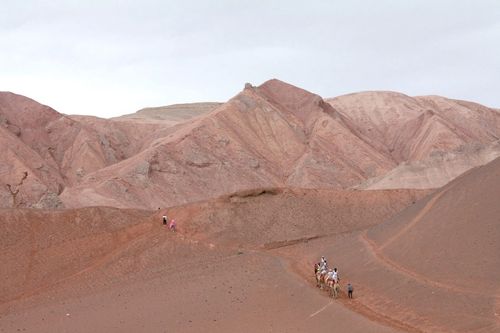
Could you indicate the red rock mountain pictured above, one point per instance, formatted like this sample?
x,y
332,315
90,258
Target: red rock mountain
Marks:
x,y
432,139
273,135
57,150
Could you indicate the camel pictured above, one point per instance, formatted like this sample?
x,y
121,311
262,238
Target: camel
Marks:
x,y
334,288
332,284
320,279
323,279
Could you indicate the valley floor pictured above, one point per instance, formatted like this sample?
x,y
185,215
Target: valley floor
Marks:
x,y
215,290
239,263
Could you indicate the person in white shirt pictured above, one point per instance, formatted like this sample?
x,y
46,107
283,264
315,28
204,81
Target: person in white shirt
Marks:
x,y
335,275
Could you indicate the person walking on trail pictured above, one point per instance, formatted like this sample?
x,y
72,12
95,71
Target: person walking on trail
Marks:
x,y
350,289
165,219
172,226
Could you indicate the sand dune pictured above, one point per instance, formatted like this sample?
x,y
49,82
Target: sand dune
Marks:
x,y
435,266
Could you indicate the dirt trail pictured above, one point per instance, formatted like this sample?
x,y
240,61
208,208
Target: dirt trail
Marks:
x,y
383,301
377,254
417,219
301,267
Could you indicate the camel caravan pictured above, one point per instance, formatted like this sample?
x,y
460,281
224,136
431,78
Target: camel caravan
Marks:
x,y
326,277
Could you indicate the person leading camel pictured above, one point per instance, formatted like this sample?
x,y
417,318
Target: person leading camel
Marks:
x,y
350,289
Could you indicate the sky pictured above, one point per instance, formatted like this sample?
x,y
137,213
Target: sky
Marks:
x,y
112,57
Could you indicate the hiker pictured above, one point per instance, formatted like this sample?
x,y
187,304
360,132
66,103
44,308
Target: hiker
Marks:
x,y
350,289
165,219
172,225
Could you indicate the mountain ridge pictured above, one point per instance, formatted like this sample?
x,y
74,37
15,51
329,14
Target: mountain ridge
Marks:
x,y
271,135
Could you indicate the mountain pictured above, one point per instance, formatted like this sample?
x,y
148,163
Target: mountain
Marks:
x,y
56,150
432,139
273,135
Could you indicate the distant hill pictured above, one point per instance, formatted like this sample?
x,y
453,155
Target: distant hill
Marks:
x,y
174,113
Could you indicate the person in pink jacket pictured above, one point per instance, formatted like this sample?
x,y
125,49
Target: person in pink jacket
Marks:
x,y
172,225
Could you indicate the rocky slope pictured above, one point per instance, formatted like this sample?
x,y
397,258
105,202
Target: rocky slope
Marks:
x,y
57,150
274,135
432,139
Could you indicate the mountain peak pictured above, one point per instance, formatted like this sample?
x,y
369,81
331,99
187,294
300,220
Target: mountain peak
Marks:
x,y
281,86
302,103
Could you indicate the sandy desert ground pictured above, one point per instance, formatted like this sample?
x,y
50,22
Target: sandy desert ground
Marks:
x,y
116,270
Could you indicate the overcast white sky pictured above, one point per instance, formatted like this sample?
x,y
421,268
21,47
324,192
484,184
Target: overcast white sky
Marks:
x,y
112,57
